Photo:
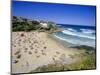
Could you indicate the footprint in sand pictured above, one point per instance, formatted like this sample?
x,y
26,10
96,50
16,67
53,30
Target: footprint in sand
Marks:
x,y
38,56
35,51
14,45
25,51
31,48
22,35
17,52
26,48
42,50
43,53
53,59
57,52
45,47
19,40
55,56
19,56
30,52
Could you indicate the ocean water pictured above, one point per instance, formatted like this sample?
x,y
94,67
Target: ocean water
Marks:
x,y
77,35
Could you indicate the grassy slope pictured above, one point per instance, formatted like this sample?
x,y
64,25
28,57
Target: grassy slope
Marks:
x,y
87,62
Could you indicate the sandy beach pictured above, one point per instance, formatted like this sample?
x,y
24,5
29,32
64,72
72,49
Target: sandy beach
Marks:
x,y
31,50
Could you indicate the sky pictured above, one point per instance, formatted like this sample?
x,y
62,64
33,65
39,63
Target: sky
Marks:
x,y
58,13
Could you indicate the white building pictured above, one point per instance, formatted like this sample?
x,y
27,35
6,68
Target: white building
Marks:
x,y
44,25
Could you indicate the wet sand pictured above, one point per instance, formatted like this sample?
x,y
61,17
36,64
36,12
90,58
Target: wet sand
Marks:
x,y
31,50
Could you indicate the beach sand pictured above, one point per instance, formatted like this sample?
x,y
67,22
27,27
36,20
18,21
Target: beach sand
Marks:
x,y
31,50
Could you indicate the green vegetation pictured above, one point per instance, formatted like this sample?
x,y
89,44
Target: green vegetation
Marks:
x,y
86,61
88,49
52,26
23,24
85,64
84,47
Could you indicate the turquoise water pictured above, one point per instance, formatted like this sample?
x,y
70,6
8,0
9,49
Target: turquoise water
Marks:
x,y
77,35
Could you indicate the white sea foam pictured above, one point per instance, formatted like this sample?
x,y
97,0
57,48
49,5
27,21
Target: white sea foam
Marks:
x,y
77,41
87,31
78,34
71,29
60,38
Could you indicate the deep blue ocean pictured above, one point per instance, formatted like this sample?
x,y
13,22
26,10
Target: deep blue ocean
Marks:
x,y
77,34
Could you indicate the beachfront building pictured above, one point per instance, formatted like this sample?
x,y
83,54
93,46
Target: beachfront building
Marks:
x,y
44,25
